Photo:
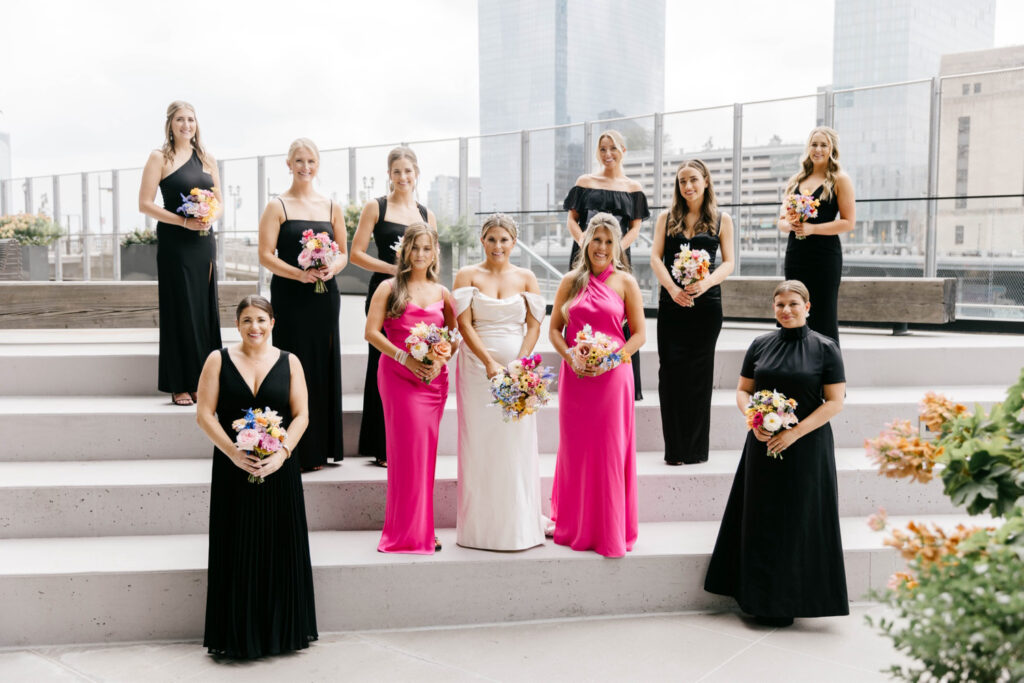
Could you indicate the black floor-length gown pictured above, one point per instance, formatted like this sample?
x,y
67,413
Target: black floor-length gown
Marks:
x,y
626,207
307,325
372,440
259,596
186,287
779,552
686,352
817,261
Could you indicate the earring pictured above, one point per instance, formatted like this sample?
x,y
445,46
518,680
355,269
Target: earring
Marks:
x,y
391,186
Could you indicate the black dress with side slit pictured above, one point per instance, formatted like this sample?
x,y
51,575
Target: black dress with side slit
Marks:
x,y
372,439
186,287
817,261
259,595
307,325
779,552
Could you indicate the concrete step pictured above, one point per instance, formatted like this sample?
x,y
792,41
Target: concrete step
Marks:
x,y
116,497
124,362
108,589
141,427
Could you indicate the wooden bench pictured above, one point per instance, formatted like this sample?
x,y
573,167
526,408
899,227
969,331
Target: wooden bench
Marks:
x,y
894,300
36,305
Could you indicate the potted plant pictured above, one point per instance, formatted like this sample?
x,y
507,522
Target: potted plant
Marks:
x,y
35,233
138,255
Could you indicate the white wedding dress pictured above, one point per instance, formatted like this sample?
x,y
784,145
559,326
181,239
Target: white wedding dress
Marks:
x,y
499,470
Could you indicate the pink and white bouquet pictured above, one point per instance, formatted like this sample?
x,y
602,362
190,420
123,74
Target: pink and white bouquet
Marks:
x,y
429,343
521,388
771,411
201,205
804,206
259,432
318,251
691,265
596,350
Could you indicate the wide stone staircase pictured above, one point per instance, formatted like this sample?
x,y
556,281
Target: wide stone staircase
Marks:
x,y
104,494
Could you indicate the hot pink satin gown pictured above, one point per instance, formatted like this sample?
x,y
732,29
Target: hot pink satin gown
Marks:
x,y
412,416
594,498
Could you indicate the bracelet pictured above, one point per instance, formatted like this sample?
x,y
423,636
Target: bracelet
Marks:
x,y
287,451
401,356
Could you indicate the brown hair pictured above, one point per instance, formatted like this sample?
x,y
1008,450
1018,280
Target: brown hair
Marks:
x,y
402,152
168,147
255,301
807,166
795,286
582,268
399,297
707,219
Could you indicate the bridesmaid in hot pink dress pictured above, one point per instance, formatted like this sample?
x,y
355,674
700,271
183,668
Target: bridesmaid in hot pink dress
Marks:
x,y
593,501
413,393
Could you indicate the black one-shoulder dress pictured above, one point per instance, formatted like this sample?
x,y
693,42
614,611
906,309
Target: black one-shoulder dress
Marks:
x,y
817,261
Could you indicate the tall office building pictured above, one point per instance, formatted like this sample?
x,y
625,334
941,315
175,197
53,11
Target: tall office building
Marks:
x,y
884,132
552,62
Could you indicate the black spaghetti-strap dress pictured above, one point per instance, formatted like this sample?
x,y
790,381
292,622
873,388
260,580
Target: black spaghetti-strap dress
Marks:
x,y
817,261
372,439
259,596
626,207
307,325
686,355
186,287
779,551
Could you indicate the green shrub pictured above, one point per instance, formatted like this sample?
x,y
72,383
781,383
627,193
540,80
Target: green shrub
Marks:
x,y
30,229
139,236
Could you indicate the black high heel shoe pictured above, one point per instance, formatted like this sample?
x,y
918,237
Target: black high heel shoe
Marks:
x,y
437,544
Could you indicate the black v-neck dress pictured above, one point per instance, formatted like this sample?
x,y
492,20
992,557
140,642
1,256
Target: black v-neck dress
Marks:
x,y
779,552
186,287
259,596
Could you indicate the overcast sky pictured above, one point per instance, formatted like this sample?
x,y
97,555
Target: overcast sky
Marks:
x,y
84,84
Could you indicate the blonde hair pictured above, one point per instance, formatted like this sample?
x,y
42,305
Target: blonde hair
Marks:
x,y
399,297
500,220
795,286
582,268
707,219
807,166
300,144
168,147
616,138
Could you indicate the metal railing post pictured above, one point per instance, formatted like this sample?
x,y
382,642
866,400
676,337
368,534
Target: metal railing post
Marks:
x,y
464,178
261,198
931,226
830,107
353,197
737,177
524,193
588,145
58,263
115,221
28,196
219,233
659,133
5,186
86,266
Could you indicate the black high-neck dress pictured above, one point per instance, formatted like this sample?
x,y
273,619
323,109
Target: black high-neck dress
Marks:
x,y
626,207
817,261
186,287
779,552
372,439
686,351
307,325
259,595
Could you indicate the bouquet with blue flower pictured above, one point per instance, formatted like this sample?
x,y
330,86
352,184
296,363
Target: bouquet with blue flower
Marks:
x,y
521,388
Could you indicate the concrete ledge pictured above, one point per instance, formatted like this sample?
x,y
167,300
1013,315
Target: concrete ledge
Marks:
x,y
35,305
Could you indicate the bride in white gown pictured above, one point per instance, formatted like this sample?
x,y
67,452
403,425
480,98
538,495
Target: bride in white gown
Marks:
x,y
500,310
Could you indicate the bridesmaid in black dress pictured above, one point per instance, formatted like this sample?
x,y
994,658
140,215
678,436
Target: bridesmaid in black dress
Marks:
x,y
690,318
259,596
307,322
386,219
817,260
779,552
186,271
609,191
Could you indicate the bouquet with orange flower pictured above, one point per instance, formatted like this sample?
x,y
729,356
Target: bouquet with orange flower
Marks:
x,y
429,343
691,265
318,251
259,432
804,206
201,205
596,350
771,411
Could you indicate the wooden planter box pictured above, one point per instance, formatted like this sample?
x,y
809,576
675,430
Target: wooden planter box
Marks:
x,y
138,262
35,262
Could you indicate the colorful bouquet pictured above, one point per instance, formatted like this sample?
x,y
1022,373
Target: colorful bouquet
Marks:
x,y
804,206
428,343
691,265
771,411
521,387
318,251
201,205
259,432
596,349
